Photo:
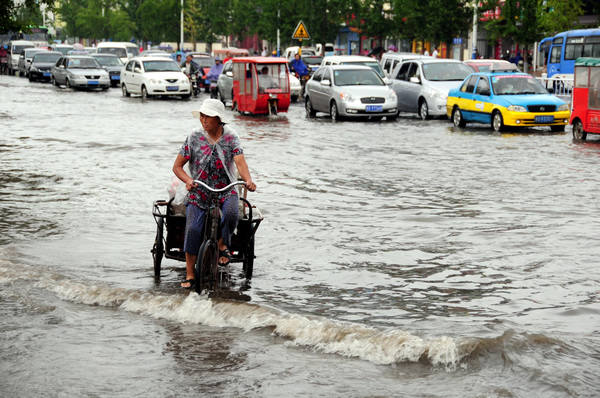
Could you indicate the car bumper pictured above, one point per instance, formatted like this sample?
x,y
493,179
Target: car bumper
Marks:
x,y
517,119
169,89
437,106
359,109
40,75
85,83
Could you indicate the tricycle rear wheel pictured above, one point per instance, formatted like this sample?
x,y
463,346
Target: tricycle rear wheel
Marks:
x,y
206,266
158,250
248,262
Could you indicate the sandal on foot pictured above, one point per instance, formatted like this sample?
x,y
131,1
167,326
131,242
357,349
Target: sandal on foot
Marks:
x,y
190,281
225,253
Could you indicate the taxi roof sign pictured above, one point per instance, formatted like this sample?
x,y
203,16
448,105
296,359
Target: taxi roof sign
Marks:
x,y
300,32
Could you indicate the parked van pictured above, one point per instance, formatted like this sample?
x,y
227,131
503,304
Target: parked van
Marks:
x,y
325,50
15,48
354,59
121,49
389,60
290,52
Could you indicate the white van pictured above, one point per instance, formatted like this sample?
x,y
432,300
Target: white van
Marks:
x,y
326,49
354,59
291,51
389,60
15,48
121,49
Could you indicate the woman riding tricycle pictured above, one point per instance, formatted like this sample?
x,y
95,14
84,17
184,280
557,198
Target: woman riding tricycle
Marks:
x,y
214,155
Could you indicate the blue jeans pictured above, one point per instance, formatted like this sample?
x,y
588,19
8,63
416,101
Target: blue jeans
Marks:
x,y
194,224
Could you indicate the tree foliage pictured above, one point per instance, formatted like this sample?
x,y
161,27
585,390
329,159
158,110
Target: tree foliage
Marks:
x,y
18,16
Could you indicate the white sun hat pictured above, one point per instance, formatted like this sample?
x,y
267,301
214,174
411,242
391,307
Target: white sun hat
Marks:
x,y
212,107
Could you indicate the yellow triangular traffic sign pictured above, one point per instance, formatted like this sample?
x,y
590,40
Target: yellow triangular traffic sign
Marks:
x,y
300,32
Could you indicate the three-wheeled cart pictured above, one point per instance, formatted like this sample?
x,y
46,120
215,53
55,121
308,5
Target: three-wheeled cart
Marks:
x,y
170,232
585,105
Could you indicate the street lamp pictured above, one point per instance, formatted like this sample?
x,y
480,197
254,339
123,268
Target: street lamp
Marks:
x,y
474,53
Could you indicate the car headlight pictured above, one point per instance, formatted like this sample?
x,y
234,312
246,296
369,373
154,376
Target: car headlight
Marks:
x,y
517,108
563,107
155,81
392,96
33,69
346,97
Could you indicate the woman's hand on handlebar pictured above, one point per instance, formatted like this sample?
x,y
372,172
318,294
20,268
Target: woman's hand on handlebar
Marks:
x,y
251,186
190,185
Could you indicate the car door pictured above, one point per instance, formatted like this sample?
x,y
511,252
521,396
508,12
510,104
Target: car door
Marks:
x,y
400,85
127,74
137,76
482,102
227,81
61,71
413,88
466,100
321,92
314,88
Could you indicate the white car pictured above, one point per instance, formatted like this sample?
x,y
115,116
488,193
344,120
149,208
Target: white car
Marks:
x,y
295,88
154,76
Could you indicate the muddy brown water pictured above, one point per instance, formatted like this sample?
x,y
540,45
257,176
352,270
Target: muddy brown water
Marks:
x,y
401,258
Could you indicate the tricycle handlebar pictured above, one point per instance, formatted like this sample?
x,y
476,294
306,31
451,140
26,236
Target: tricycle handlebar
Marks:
x,y
222,189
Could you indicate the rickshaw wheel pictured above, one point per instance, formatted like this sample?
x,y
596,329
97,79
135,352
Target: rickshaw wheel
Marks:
x,y
579,134
248,264
272,108
206,267
158,249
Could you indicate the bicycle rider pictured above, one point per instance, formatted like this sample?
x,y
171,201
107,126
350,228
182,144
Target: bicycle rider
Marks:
x,y
214,154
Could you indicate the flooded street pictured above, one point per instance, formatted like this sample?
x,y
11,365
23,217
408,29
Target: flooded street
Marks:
x,y
402,258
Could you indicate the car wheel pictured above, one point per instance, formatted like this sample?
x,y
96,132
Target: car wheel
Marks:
x,y
333,111
144,93
124,90
67,83
557,129
457,118
53,81
423,110
497,121
310,111
29,77
220,96
579,134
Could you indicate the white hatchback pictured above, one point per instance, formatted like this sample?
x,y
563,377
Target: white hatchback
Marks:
x,y
154,76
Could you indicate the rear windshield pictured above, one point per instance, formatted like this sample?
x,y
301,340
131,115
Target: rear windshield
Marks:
x,y
46,57
204,62
358,77
118,51
63,50
373,65
19,49
109,61
133,51
446,71
83,63
161,66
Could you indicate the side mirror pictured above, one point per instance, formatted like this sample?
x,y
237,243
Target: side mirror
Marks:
x,y
137,69
229,73
387,81
415,79
325,82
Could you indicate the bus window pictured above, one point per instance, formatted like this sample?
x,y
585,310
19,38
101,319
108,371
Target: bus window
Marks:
x,y
555,55
558,40
592,47
574,48
594,92
582,74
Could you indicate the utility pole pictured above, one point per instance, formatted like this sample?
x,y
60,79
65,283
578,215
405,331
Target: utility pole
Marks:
x,y
278,41
474,53
181,28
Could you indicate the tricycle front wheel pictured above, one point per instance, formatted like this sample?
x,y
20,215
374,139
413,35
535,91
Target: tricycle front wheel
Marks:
x,y
248,262
158,250
205,271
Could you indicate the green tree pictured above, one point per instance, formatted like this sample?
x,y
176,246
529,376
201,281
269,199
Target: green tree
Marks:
x,y
558,15
158,20
18,16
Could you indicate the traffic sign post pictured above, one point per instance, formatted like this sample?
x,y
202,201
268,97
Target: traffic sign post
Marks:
x,y
300,33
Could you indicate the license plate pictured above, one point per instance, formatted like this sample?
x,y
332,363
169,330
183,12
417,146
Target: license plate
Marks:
x,y
172,88
46,74
115,77
374,108
544,119
93,82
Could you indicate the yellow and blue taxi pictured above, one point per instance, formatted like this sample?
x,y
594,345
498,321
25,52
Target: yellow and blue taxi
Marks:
x,y
506,98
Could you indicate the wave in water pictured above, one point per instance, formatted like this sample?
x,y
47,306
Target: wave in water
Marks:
x,y
324,335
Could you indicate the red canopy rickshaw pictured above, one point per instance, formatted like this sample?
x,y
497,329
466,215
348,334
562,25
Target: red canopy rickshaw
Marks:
x,y
261,85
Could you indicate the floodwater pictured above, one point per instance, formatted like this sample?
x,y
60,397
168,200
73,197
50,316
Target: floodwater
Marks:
x,y
401,258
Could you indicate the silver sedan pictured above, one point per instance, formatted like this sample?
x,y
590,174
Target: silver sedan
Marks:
x,y
349,91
